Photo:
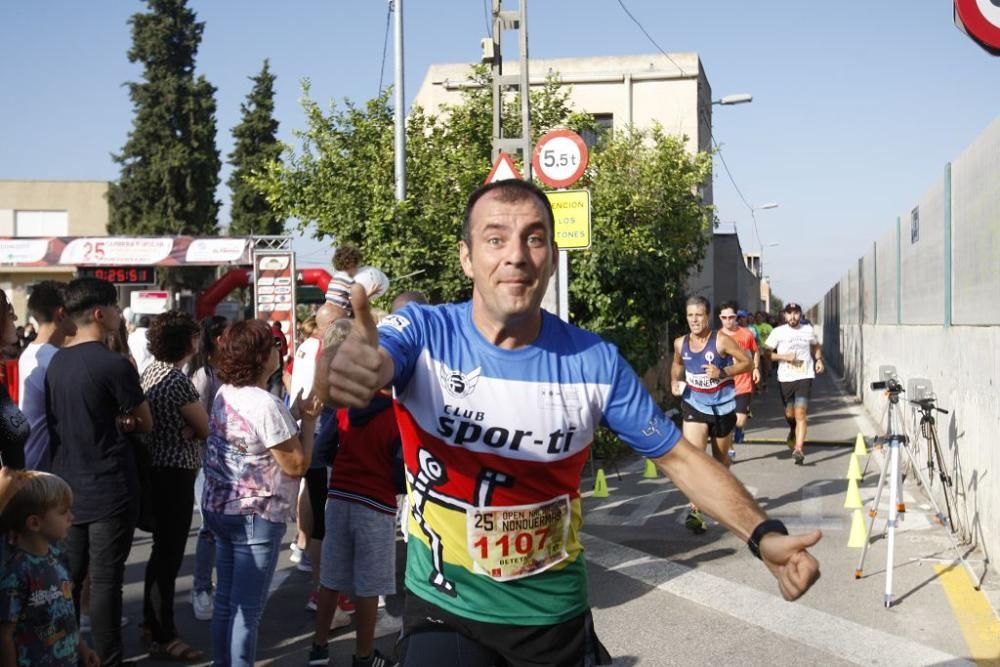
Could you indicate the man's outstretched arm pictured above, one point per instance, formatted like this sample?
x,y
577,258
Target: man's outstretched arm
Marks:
x,y
718,493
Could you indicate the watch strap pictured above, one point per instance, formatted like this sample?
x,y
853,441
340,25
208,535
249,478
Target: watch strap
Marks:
x,y
762,529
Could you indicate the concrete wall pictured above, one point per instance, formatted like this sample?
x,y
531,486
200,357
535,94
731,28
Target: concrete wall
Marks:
x,y
911,280
975,198
963,364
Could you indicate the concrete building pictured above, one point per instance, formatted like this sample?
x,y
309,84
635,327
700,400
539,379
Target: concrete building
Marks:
x,y
47,208
617,90
639,90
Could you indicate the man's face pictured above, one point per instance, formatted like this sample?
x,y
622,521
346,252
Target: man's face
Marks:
x,y
510,259
697,318
109,317
728,319
793,317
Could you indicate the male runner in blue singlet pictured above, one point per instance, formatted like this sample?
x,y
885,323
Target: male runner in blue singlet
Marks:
x,y
707,362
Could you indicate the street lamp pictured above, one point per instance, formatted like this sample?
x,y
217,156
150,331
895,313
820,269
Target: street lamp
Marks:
x,y
739,98
766,206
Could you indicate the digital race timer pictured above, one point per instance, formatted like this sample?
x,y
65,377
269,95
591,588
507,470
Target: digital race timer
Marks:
x,y
121,275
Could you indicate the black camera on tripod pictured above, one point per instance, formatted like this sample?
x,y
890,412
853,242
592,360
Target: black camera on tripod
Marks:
x,y
888,381
892,385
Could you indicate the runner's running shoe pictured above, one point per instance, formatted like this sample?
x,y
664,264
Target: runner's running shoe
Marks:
x,y
695,522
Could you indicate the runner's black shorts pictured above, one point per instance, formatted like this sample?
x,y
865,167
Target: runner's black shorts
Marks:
x,y
433,637
743,403
719,425
316,487
796,393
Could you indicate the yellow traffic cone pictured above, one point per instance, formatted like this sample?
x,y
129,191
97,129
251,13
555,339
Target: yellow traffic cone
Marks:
x,y
860,448
650,471
600,485
853,499
859,535
854,469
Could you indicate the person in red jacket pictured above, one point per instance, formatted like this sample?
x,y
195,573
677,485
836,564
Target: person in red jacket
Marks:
x,y
359,553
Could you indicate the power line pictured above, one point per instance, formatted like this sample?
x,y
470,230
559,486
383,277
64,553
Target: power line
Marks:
x,y
385,45
708,123
650,38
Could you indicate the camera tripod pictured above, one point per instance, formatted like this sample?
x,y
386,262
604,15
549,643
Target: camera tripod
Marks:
x,y
928,429
897,442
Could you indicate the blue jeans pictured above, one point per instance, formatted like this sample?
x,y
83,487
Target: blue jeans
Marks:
x,y
247,549
204,551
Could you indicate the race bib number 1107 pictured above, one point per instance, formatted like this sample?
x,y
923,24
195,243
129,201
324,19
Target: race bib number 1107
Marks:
x,y
513,542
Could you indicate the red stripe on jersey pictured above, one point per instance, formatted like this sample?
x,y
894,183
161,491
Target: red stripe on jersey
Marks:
x,y
533,481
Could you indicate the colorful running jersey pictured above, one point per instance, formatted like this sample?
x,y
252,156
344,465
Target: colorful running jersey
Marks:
x,y
494,442
707,395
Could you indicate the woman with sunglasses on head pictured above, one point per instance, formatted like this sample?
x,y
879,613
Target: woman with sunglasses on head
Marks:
x,y
254,458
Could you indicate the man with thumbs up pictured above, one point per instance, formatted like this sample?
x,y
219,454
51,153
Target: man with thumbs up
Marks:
x,y
497,403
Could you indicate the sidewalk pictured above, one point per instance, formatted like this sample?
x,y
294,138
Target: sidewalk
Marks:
x,y
648,571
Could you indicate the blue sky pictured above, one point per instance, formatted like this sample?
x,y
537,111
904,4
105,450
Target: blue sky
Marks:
x,y
857,105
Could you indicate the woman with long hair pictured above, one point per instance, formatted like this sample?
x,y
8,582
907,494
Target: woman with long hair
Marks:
x,y
254,459
205,377
181,422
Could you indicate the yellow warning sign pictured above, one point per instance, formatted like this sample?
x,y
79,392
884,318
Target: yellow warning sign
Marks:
x,y
572,215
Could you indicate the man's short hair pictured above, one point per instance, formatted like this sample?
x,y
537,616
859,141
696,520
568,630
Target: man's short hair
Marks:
x,y
84,294
509,191
45,299
409,296
698,301
732,305
39,493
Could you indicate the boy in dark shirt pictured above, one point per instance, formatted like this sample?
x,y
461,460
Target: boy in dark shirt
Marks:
x,y
37,620
87,389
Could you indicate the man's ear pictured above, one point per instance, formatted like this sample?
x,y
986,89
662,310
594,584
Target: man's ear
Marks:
x,y
465,257
555,258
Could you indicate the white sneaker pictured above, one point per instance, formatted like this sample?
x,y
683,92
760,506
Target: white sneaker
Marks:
x,y
340,619
297,552
204,605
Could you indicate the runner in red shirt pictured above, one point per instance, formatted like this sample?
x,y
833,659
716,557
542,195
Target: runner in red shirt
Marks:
x,y
744,381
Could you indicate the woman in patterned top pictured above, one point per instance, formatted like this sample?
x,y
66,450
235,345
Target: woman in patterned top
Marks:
x,y
181,421
253,461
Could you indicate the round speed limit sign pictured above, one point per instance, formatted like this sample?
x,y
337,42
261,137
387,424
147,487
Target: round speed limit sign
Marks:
x,y
560,158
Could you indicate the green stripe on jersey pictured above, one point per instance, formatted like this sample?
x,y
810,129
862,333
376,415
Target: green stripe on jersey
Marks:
x,y
547,598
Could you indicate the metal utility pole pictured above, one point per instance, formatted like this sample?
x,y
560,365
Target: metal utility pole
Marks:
x,y
511,20
400,116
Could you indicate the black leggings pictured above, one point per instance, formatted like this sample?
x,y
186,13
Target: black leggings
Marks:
x,y
173,504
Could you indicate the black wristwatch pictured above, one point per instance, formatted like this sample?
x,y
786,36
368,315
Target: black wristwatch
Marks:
x,y
762,529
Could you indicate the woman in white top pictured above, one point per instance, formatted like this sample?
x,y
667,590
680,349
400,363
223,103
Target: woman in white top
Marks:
x,y
253,461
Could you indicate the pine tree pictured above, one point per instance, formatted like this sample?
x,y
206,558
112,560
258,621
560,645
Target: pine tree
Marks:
x,y
170,163
256,146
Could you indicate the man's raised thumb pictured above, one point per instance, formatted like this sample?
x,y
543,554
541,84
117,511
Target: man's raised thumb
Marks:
x,y
364,323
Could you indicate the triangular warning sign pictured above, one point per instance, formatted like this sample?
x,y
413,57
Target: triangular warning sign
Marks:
x,y
503,169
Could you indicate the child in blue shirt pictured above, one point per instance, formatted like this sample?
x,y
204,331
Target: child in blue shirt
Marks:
x,y
37,619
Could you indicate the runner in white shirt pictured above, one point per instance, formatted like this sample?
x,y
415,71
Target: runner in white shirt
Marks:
x,y
46,305
794,346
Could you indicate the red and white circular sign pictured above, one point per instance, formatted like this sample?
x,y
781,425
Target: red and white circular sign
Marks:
x,y
981,18
560,158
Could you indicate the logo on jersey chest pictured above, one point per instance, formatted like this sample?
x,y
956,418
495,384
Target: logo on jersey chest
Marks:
x,y
459,384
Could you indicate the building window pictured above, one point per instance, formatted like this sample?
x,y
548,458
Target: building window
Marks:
x,y
605,123
41,223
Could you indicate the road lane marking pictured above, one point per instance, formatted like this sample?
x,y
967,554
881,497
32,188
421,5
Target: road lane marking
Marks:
x,y
976,617
845,639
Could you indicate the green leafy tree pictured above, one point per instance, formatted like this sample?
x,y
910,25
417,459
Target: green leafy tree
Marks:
x,y
650,227
169,164
256,146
